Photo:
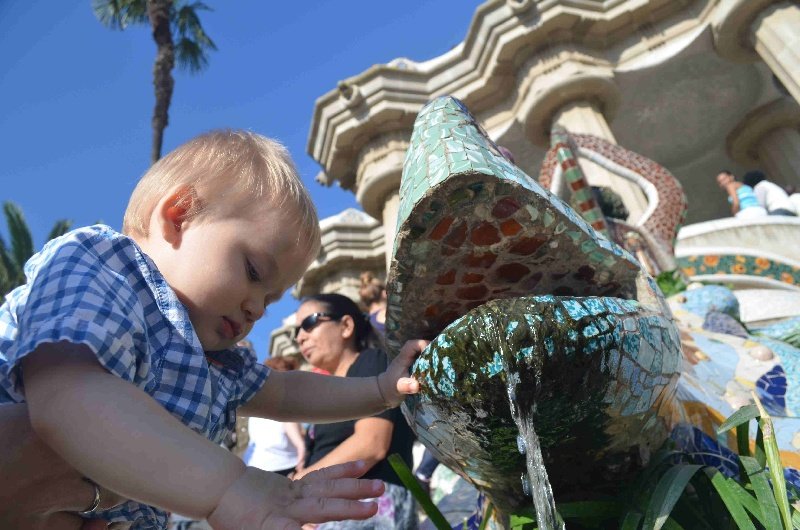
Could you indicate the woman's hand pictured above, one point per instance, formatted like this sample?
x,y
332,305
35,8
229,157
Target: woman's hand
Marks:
x,y
39,490
268,501
394,383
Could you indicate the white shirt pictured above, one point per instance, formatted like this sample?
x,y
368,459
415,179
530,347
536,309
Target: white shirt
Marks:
x,y
270,448
795,198
772,197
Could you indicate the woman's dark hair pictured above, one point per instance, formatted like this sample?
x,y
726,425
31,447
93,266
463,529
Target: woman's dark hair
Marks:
x,y
341,305
751,178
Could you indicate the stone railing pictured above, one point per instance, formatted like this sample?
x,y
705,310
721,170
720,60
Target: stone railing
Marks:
x,y
745,253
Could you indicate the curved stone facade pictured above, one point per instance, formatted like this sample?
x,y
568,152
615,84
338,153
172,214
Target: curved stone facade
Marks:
x,y
696,85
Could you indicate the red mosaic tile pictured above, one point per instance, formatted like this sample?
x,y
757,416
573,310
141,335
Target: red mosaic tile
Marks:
x,y
512,272
510,227
448,278
527,246
483,261
505,207
485,234
431,311
472,277
441,228
473,292
456,236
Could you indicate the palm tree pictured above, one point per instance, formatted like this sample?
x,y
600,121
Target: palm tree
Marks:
x,y
12,261
179,36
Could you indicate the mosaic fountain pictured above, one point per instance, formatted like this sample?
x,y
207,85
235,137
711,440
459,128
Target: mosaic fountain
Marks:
x,y
550,340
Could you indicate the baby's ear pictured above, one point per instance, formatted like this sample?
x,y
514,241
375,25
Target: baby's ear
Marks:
x,y
175,210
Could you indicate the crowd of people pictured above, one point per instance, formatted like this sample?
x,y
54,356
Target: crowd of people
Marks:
x,y
755,196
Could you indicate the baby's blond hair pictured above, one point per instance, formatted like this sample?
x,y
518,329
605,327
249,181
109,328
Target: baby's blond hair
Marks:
x,y
226,165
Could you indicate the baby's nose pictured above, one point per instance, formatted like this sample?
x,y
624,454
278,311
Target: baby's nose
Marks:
x,y
253,311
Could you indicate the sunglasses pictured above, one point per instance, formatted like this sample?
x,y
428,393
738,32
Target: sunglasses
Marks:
x,y
312,321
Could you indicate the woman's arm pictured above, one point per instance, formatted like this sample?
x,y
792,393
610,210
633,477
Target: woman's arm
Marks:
x,y
315,398
369,442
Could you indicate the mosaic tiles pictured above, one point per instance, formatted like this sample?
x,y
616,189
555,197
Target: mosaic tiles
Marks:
x,y
508,278
472,227
711,264
588,365
667,202
510,283
721,375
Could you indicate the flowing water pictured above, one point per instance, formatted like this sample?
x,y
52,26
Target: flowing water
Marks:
x,y
536,483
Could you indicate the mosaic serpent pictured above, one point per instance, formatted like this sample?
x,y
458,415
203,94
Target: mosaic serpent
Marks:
x,y
523,299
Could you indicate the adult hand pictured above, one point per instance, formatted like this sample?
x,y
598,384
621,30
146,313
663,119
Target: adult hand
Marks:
x,y
268,501
394,382
38,489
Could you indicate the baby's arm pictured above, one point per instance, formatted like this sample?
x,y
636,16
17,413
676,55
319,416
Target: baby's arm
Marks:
x,y
315,398
118,436
113,432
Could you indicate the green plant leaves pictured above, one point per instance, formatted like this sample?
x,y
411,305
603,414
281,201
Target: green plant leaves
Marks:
x,y
771,517
671,282
424,500
667,492
744,414
731,501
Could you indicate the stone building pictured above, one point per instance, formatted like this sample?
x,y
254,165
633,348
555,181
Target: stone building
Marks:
x,y
696,85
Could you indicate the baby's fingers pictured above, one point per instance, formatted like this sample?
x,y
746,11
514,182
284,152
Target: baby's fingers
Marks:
x,y
411,349
324,509
343,488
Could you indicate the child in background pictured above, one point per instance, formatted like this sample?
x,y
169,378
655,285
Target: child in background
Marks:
x,y
124,348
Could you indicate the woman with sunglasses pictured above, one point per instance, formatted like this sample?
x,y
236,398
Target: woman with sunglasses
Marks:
x,y
334,335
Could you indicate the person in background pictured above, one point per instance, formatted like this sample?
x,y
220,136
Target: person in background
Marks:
x,y
507,154
332,333
425,469
276,446
373,296
742,199
772,197
794,196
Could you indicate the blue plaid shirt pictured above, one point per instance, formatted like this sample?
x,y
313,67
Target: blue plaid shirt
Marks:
x,y
95,286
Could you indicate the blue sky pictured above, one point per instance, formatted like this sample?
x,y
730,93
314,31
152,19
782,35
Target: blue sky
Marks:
x,y
77,98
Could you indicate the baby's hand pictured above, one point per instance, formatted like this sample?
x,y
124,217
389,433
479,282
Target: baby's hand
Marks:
x,y
268,501
394,382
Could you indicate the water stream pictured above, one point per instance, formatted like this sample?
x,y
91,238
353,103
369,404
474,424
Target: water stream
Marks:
x,y
536,483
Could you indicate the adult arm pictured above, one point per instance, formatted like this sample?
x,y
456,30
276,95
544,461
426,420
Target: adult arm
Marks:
x,y
286,396
39,490
369,442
